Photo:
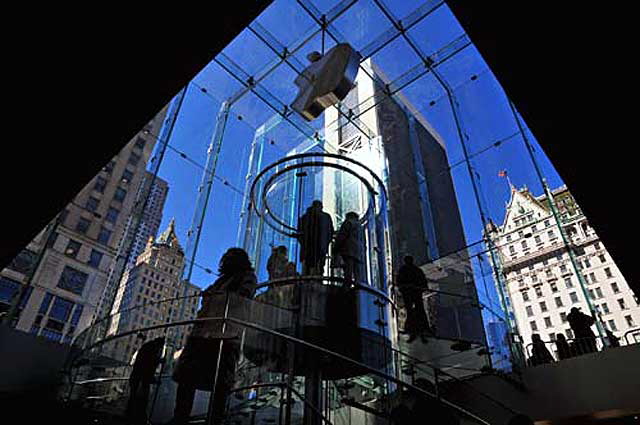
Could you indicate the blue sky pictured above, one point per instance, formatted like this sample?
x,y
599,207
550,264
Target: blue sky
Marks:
x,y
484,112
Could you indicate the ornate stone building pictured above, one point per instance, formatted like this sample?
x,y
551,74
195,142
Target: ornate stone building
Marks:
x,y
156,277
539,279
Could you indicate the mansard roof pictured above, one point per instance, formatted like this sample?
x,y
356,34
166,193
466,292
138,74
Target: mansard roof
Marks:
x,y
522,202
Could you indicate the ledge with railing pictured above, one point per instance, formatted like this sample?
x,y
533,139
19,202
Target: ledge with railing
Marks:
x,y
557,351
281,341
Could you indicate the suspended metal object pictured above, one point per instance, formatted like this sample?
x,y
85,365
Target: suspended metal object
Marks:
x,y
326,81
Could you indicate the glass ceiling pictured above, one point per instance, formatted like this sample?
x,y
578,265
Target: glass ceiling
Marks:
x,y
427,59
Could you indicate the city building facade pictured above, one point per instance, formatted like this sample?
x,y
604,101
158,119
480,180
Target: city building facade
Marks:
x,y
66,266
156,276
539,282
157,190
424,217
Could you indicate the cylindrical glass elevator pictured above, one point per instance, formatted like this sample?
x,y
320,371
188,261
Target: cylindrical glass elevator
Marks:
x,y
349,316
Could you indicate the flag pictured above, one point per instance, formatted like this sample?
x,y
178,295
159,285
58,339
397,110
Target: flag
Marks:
x,y
502,173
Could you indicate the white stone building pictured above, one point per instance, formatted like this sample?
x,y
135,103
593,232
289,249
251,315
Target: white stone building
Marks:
x,y
540,281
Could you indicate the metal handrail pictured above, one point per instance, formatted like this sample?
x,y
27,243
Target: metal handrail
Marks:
x,y
629,332
579,343
300,342
269,283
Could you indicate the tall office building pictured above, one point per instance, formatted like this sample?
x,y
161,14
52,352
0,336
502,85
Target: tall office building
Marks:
x,y
70,259
424,218
156,275
540,282
151,216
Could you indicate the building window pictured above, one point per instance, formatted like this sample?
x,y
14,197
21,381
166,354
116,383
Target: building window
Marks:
x,y
529,311
61,309
554,287
593,277
547,223
120,194
607,271
629,320
563,317
587,263
104,236
534,228
563,268
24,262
605,308
548,273
596,245
545,262
574,297
537,239
92,204
112,215
543,306
551,234
547,322
538,291
508,238
612,325
46,301
100,184
9,289
602,258
134,158
95,258
72,280
73,247
558,301
140,142
534,278
524,245
614,288
127,176
569,333
83,225
568,282
622,304
512,250
534,326
599,292
592,294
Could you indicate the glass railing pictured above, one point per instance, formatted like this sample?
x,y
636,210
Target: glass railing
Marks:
x,y
294,358
545,352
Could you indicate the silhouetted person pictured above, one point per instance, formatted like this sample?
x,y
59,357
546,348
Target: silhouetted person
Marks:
x,y
411,283
315,229
614,341
539,353
348,246
196,366
564,350
147,359
278,264
581,325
